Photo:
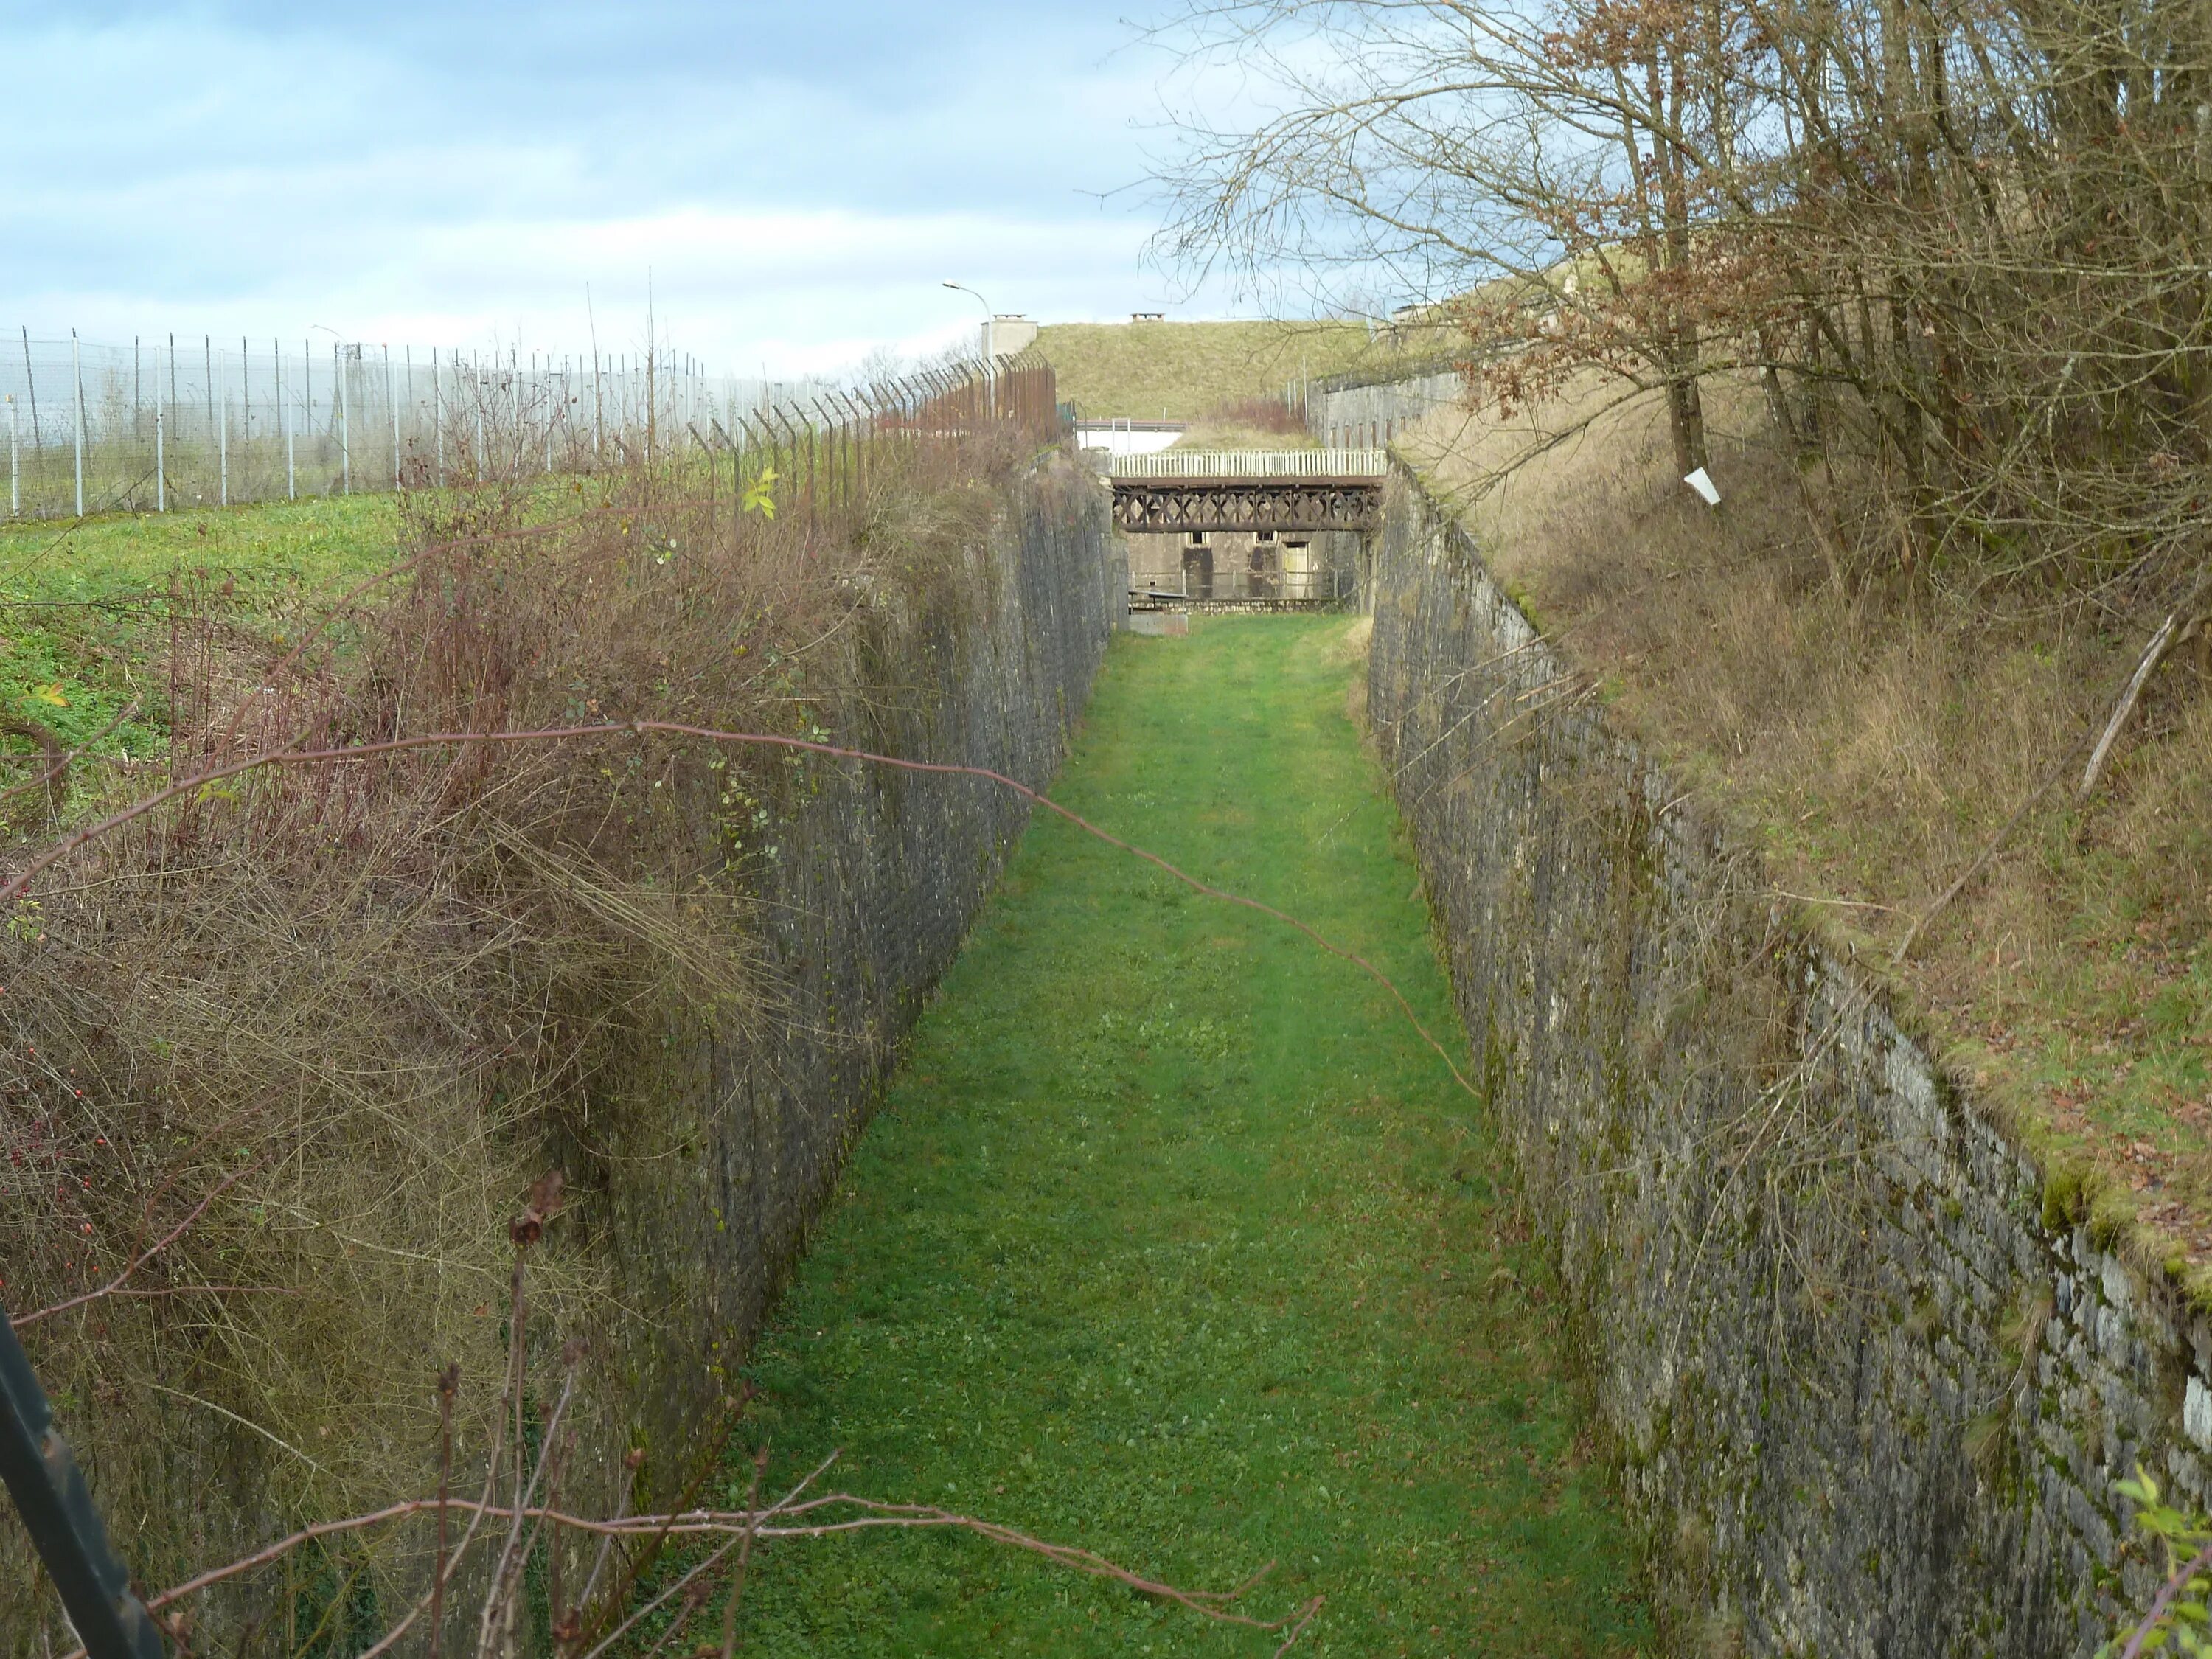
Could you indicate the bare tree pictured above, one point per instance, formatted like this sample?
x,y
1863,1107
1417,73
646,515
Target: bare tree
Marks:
x,y
1963,242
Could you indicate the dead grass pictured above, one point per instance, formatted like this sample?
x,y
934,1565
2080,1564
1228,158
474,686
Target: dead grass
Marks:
x,y
1249,423
1874,733
337,1018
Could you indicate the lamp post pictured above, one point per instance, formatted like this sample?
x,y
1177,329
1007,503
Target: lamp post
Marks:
x,y
990,333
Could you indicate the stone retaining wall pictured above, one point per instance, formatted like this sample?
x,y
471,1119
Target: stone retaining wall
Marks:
x,y
738,1134
1870,1376
1352,411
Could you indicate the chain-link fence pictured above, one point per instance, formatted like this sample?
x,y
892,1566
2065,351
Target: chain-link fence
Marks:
x,y
171,423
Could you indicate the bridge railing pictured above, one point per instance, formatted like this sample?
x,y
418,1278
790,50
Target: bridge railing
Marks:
x,y
1253,464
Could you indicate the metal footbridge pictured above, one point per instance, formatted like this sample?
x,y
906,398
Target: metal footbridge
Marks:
x,y
1294,489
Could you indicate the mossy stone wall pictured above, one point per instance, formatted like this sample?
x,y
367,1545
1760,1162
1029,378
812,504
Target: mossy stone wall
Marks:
x,y
725,1143
1869,1377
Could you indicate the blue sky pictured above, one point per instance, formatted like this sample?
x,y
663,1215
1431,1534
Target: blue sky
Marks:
x,y
798,176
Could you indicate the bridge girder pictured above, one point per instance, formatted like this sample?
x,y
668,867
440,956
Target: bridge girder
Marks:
x,y
1167,506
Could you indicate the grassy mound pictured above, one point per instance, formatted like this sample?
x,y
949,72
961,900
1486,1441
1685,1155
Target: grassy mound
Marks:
x,y
1182,371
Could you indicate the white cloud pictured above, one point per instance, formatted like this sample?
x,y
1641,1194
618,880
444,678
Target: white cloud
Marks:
x,y
799,183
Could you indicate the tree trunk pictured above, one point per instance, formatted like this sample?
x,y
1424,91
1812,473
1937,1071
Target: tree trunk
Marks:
x,y
1686,420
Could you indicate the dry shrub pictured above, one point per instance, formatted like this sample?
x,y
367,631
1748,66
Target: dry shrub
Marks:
x,y
1249,423
336,1017
1878,730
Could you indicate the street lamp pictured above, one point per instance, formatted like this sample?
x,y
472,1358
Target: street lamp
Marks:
x,y
990,334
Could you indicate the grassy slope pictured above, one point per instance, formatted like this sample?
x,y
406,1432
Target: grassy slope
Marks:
x,y
1180,371
1174,1241
1871,747
86,611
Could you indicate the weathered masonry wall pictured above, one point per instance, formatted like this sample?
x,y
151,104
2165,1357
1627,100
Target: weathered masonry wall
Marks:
x,y
1350,410
876,875
1870,1379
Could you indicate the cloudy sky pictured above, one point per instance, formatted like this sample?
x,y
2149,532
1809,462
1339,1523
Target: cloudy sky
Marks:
x,y
799,176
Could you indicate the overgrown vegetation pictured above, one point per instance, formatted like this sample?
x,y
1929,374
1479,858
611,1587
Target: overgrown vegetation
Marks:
x,y
1960,246
1877,736
1250,423
1173,1236
278,1058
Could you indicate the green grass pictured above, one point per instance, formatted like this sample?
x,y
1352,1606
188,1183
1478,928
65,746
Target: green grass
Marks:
x,y
84,608
1172,1241
1180,371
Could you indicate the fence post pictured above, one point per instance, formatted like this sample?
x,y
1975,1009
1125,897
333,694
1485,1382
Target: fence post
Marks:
x,y
345,427
438,416
49,1490
390,397
222,441
284,423
160,464
76,373
15,467
832,453
31,381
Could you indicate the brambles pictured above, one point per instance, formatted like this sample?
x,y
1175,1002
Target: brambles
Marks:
x,y
579,1583
274,1053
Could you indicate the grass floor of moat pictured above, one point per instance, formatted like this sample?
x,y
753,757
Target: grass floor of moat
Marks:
x,y
1174,1241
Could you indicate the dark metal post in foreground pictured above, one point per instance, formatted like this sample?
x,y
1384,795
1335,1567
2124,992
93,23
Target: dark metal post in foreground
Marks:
x,y
49,1489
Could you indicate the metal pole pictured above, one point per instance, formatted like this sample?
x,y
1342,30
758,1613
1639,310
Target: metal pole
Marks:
x,y
223,443
76,372
345,427
15,466
392,396
829,446
49,1490
438,416
284,426
31,380
160,465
